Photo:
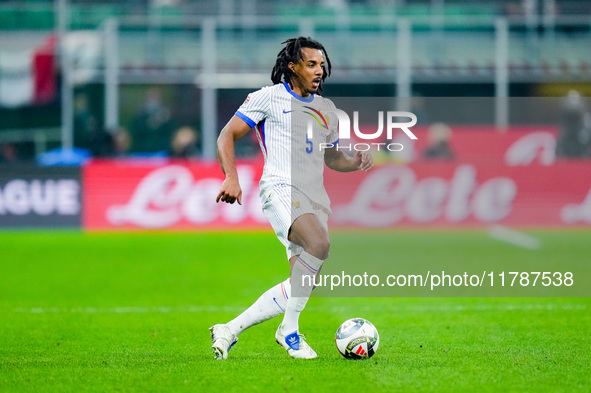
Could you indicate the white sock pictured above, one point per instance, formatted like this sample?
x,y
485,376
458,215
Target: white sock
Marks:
x,y
306,266
267,306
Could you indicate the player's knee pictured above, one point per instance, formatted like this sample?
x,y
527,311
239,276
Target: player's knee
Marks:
x,y
320,247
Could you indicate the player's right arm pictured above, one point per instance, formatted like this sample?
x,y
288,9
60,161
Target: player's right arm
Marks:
x,y
230,191
251,112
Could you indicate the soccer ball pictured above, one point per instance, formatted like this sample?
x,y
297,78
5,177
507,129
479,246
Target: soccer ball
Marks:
x,y
357,338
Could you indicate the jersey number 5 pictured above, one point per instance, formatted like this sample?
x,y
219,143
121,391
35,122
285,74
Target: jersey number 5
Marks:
x,y
309,145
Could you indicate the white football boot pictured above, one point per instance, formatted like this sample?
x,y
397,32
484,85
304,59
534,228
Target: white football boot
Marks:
x,y
295,344
222,340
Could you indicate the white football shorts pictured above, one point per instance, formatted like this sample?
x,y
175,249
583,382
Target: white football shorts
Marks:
x,y
282,204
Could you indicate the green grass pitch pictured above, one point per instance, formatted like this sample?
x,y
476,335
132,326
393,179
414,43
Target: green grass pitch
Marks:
x,y
130,312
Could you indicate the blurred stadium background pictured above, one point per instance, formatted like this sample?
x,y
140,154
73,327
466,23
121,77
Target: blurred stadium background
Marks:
x,y
151,80
109,113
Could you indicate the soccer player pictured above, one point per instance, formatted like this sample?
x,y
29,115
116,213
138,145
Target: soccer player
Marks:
x,y
291,187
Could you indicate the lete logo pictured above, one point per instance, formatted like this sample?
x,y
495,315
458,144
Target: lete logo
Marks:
x,y
171,194
391,194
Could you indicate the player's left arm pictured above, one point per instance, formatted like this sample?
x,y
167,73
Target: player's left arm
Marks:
x,y
339,161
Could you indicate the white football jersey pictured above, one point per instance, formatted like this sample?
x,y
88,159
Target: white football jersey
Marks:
x,y
292,155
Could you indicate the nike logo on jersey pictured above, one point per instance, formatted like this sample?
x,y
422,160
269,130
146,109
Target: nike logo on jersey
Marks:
x,y
284,111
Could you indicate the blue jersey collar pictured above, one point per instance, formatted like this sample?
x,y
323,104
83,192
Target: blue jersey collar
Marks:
x,y
299,97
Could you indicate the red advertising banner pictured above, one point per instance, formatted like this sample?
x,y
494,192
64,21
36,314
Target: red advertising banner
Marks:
x,y
132,195
449,194
510,179
485,145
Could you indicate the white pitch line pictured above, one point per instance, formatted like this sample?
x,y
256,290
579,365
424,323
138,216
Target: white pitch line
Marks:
x,y
128,310
512,236
237,309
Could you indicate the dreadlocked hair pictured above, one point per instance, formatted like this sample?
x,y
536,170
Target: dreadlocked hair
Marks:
x,y
292,53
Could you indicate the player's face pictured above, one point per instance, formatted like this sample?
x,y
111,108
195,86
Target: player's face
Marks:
x,y
308,72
